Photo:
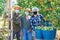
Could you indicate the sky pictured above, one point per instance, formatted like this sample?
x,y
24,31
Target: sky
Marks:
x,y
14,2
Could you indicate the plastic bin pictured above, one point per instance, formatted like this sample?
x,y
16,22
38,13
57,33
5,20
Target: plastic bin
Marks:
x,y
54,33
48,34
38,34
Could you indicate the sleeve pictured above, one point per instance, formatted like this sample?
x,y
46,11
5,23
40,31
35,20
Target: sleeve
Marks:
x,y
21,22
16,21
31,22
30,27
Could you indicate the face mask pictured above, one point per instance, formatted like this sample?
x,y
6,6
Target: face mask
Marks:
x,y
35,12
17,11
26,13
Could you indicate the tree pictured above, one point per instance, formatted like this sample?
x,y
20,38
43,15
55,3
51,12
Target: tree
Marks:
x,y
48,8
2,6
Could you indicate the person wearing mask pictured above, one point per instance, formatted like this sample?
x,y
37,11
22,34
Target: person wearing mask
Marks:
x,y
26,29
17,23
35,20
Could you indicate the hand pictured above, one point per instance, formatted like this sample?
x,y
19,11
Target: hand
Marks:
x,y
21,32
38,26
29,30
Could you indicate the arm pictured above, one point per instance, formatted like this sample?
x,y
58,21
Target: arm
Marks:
x,y
31,23
21,25
30,27
16,21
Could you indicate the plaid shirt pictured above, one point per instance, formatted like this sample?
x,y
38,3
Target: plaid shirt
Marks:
x,y
36,21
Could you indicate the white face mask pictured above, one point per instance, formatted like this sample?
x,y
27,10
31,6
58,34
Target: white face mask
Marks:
x,y
17,11
26,13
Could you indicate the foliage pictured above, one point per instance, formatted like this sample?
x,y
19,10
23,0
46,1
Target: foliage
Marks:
x,y
2,6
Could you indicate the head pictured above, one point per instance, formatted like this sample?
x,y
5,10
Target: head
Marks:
x,y
16,14
27,11
35,10
17,10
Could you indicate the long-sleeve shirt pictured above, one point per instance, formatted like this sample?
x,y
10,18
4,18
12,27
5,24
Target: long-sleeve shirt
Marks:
x,y
36,21
26,23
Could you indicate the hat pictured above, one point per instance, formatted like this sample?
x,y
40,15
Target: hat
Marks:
x,y
16,7
27,9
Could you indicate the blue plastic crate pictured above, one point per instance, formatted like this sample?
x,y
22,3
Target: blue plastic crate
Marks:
x,y
48,34
38,34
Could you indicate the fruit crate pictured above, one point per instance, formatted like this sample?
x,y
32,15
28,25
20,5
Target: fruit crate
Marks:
x,y
46,33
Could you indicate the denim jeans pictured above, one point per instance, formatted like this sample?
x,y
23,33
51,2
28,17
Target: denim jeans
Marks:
x,y
17,35
26,35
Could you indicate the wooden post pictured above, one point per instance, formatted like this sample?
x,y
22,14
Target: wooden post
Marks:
x,y
10,8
